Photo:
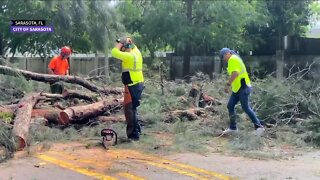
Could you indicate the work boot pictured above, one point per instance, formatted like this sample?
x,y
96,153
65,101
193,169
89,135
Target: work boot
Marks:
x,y
229,132
259,131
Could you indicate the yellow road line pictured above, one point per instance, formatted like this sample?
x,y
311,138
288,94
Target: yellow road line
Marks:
x,y
186,173
82,160
95,163
165,161
75,168
130,176
153,160
199,170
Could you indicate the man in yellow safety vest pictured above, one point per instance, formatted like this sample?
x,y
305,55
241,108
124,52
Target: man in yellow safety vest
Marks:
x,y
241,88
132,78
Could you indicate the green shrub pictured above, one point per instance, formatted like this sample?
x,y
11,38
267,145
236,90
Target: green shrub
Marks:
x,y
180,91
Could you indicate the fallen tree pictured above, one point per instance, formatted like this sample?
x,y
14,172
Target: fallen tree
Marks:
x,y
69,95
53,115
23,117
48,78
77,113
5,109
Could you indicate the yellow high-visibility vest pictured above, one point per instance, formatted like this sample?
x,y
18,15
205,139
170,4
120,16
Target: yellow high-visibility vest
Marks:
x,y
131,62
235,64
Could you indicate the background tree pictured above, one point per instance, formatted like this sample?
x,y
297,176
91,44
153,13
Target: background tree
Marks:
x,y
189,27
315,12
284,18
87,26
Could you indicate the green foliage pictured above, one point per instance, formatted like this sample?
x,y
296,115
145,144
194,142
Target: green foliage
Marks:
x,y
246,141
180,91
16,87
290,102
210,25
6,141
84,25
279,18
289,16
213,24
6,117
315,9
313,125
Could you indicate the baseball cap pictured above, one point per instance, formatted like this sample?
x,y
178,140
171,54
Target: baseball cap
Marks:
x,y
224,51
124,41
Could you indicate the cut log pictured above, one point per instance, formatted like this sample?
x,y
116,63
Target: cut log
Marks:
x,y
73,94
23,117
55,78
91,110
50,114
69,95
5,109
190,114
53,117
9,108
201,99
42,112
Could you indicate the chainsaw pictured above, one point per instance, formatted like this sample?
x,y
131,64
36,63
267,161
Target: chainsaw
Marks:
x,y
109,137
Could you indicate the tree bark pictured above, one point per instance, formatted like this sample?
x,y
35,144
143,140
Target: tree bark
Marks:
x,y
91,110
23,117
1,44
189,114
55,78
188,48
78,113
69,95
5,109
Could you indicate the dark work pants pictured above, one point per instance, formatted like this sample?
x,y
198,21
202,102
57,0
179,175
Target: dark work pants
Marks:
x,y
56,88
243,96
131,102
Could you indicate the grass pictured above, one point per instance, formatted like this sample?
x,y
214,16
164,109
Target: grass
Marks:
x,y
6,117
6,141
200,135
39,133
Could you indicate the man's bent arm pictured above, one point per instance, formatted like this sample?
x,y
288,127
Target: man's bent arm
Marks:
x,y
115,52
234,75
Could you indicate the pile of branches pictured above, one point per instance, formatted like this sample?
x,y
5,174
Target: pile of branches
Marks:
x,y
70,107
292,101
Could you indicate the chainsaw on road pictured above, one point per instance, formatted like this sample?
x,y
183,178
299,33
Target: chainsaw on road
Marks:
x,y
109,137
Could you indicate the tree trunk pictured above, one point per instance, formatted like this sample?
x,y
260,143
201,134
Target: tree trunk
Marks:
x,y
55,78
23,117
187,52
78,113
5,109
69,95
1,44
53,117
